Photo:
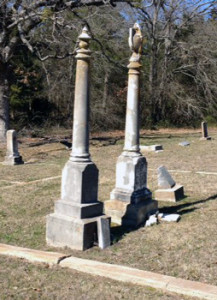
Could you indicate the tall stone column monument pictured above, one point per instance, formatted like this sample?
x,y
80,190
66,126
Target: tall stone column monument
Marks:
x,y
78,220
131,201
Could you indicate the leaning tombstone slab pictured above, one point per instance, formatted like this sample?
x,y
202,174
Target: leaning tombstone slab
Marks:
x,y
103,232
12,156
77,214
205,136
165,180
130,201
168,190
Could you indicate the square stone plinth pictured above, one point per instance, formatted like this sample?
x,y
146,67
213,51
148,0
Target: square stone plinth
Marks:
x,y
207,138
13,160
64,231
127,214
79,182
130,196
152,148
76,210
172,195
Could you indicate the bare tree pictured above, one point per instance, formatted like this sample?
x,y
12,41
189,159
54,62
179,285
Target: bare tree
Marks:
x,y
19,21
164,21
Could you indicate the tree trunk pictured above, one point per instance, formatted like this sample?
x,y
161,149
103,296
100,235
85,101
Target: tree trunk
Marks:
x,y
164,78
105,92
4,102
154,67
154,86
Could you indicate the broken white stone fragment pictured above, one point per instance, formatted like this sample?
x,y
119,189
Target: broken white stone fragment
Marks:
x,y
184,144
169,217
151,221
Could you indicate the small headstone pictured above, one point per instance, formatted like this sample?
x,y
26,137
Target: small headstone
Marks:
x,y
184,144
168,189
152,148
204,132
103,231
12,156
165,181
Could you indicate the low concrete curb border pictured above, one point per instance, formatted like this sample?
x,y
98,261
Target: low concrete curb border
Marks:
x,y
116,272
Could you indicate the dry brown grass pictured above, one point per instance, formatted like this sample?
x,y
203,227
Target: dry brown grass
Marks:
x,y
31,282
186,249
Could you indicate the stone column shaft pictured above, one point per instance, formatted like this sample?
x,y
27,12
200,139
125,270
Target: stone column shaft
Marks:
x,y
80,147
132,122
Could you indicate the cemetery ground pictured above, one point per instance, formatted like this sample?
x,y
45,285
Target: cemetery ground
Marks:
x,y
186,249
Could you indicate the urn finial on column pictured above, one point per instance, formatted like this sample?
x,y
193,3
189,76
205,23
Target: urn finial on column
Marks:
x,y
83,44
135,44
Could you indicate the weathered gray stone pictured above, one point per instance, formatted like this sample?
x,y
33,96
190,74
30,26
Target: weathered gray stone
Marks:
x,y
130,215
131,196
165,180
171,195
152,148
83,177
103,231
12,156
184,144
75,233
205,135
78,213
131,179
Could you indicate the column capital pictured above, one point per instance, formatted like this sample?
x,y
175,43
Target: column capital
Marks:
x,y
83,51
134,68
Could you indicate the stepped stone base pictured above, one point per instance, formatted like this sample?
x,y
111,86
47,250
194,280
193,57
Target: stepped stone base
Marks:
x,y
78,234
127,214
78,220
76,210
133,197
171,195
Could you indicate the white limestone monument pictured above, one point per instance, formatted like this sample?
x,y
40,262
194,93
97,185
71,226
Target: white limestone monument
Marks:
x,y
130,201
78,220
13,156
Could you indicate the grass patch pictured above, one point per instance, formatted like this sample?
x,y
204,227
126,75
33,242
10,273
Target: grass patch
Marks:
x,y
186,249
41,282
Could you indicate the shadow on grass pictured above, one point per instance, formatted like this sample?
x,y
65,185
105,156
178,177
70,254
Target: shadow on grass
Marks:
x,y
105,141
189,206
169,136
118,232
